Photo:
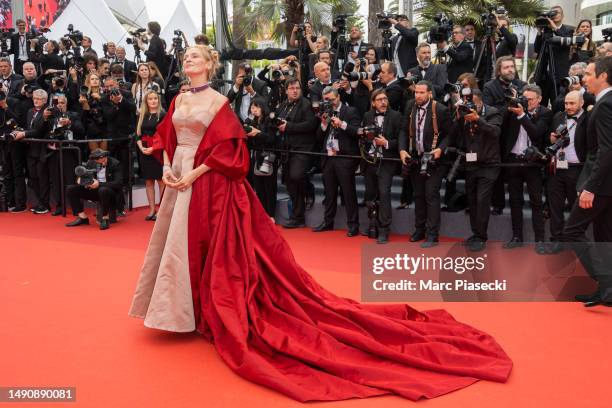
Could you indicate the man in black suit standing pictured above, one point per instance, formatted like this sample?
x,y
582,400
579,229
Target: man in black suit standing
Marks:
x,y
460,53
425,70
523,129
390,83
561,185
297,128
403,45
154,50
8,78
426,135
20,46
594,187
506,45
338,131
87,43
129,67
379,173
242,94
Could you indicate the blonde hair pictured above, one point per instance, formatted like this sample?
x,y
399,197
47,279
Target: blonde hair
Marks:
x,y
144,110
87,82
208,56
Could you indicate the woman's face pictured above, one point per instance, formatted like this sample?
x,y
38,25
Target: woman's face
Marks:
x,y
195,63
585,28
371,56
143,72
255,111
94,81
91,65
153,101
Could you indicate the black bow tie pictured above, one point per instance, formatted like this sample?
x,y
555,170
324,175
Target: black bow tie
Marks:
x,y
383,114
354,44
572,117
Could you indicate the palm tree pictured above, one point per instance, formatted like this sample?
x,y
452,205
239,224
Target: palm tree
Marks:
x,y
465,11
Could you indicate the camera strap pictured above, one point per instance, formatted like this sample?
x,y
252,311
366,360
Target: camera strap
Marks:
x,y
434,119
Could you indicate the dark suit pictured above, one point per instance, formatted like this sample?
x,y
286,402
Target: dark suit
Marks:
x,y
537,127
436,74
561,186
507,45
378,177
48,61
596,178
38,178
157,53
426,189
560,63
462,60
14,49
234,97
397,95
108,193
408,39
300,134
494,91
129,70
340,171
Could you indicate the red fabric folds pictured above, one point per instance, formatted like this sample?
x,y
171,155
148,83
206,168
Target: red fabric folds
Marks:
x,y
274,325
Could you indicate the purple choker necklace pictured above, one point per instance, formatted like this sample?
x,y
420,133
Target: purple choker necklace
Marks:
x,y
199,88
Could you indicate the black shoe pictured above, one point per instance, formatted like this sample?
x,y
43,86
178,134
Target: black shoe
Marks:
x,y
58,211
597,302
294,224
556,247
19,209
497,211
477,246
78,221
121,213
417,236
515,242
402,206
104,224
470,240
371,233
40,210
587,298
352,232
430,243
383,237
540,248
152,217
323,227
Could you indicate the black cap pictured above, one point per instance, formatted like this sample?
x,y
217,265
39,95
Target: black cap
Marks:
x,y
98,154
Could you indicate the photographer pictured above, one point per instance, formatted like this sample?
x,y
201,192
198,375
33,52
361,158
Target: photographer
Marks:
x,y
526,127
559,60
303,38
14,160
9,80
469,30
61,125
321,45
428,125
20,47
154,50
36,128
586,51
461,54
323,79
494,92
246,88
104,188
297,125
379,175
90,98
477,131
507,41
276,84
338,131
403,44
110,52
389,82
261,136
561,185
355,47
21,99
573,83
50,60
129,67
425,70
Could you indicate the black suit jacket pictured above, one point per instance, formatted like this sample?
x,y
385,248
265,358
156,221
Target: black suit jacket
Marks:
x,y
485,140
507,45
157,53
36,128
114,177
259,87
129,70
462,60
392,126
537,128
493,93
397,95
561,52
406,52
48,61
444,123
436,74
119,118
300,132
596,175
580,135
348,138
14,48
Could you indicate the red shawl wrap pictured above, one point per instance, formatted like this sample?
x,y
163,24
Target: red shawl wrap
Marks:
x,y
274,325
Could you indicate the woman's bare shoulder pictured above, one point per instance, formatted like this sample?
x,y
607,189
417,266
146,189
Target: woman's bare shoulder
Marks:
x,y
218,100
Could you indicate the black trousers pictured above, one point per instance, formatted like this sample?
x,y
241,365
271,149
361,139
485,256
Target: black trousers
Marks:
x,y
561,187
38,180
266,188
407,195
479,186
106,196
596,259
378,179
15,174
340,172
295,178
427,201
53,167
499,192
532,176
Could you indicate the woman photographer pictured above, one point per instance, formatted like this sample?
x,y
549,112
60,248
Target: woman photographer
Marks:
x,y
144,83
90,99
275,81
151,113
586,51
261,136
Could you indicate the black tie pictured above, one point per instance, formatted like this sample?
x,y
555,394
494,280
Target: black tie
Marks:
x,y
572,117
381,114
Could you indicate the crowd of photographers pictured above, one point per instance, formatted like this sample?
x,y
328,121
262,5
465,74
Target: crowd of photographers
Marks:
x,y
337,105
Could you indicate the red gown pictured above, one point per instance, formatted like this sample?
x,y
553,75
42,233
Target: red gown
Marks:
x,y
274,325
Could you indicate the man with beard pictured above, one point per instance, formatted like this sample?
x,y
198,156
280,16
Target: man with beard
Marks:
x,y
425,70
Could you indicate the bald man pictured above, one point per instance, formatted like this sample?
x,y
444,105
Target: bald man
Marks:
x,y
561,186
323,78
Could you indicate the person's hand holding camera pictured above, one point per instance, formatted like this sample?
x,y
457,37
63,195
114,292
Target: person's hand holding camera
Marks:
x,y
437,152
249,89
94,185
84,102
64,122
254,132
393,21
283,126
472,116
295,28
239,81
20,134
336,122
47,113
517,110
404,156
380,141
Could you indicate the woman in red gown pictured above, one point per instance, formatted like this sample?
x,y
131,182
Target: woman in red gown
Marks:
x,y
217,264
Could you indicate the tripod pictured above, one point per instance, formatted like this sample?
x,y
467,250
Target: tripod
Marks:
x,y
342,50
176,65
386,45
485,65
544,74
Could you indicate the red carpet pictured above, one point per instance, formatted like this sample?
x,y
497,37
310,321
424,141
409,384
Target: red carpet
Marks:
x,y
65,293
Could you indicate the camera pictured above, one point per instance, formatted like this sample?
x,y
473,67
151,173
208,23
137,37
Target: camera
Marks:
x,y
85,176
453,88
326,107
383,20
340,21
5,34
74,35
571,80
115,92
452,173
135,35
276,75
427,160
607,34
178,32
13,127
29,89
39,34
370,132
563,140
59,81
541,20
442,31
266,168
275,120
248,75
490,19
577,40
